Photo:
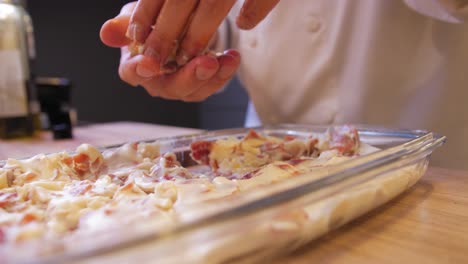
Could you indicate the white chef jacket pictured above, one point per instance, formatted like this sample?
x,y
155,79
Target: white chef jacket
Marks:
x,y
393,63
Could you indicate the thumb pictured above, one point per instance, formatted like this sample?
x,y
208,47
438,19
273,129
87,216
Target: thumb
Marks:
x,y
113,30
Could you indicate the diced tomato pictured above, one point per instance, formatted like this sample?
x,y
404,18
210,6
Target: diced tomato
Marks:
x,y
80,158
252,134
30,176
81,169
201,151
127,187
289,138
68,161
28,218
81,164
108,212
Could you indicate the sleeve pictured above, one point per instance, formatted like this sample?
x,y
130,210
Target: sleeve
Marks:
x,y
452,11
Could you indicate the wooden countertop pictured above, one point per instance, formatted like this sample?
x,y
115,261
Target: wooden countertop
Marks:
x,y
99,135
426,224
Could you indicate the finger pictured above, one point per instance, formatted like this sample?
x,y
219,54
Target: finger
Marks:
x,y
113,30
253,12
143,18
229,63
201,29
169,27
191,77
185,81
137,69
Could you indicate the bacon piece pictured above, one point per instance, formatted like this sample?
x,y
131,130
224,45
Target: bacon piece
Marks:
x,y
200,151
81,163
7,199
345,139
169,160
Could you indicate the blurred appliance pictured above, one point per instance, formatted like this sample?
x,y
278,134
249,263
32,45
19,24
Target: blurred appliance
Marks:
x,y
19,108
54,97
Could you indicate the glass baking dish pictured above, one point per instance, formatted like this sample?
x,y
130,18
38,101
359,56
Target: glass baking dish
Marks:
x,y
268,221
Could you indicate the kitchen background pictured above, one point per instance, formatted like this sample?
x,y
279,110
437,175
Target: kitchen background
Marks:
x,y
68,45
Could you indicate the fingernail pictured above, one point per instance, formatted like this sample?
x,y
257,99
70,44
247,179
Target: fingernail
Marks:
x,y
203,73
152,53
144,72
135,32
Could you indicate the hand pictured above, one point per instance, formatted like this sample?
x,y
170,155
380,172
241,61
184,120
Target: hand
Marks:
x,y
195,81
189,25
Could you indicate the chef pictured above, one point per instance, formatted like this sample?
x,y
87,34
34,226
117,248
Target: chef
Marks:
x,y
400,63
